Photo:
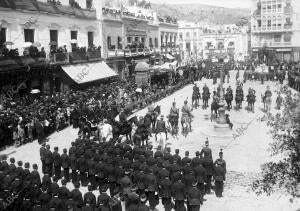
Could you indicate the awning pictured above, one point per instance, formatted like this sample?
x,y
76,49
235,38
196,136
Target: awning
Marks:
x,y
88,72
169,56
284,50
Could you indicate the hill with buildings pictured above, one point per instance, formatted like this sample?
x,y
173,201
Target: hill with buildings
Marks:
x,y
201,12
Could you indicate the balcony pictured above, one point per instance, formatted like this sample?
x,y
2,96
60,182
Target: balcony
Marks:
x,y
272,29
271,44
61,58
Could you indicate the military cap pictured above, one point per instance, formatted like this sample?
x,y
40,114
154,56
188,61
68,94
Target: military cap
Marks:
x,y
56,148
20,163
65,150
27,165
12,160
134,187
35,166
90,188
103,188
187,153
176,151
197,153
48,146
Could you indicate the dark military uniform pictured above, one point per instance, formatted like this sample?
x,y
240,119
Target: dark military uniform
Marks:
x,y
65,163
178,193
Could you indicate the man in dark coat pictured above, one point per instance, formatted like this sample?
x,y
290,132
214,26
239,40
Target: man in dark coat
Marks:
x,y
194,198
48,161
89,197
151,188
200,174
165,193
56,162
219,177
77,195
65,163
178,194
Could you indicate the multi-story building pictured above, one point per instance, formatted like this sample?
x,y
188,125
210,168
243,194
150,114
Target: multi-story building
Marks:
x,y
51,37
276,26
202,41
132,34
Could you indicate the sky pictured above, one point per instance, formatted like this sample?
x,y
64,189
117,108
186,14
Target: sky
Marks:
x,y
222,3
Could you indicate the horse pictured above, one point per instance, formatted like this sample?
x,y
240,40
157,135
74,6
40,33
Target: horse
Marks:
x,y
173,120
150,118
214,109
123,128
195,98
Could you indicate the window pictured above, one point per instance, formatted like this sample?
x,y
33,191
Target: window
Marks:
x,y
156,42
187,34
89,4
129,40
269,23
120,43
29,35
220,45
143,40
73,35
259,23
54,38
91,39
287,38
150,42
188,46
2,36
180,36
108,42
277,37
195,34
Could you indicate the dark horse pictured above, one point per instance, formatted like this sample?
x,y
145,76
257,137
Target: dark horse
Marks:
x,y
214,109
123,128
150,118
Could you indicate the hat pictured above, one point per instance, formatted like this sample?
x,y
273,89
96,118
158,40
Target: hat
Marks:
x,y
187,153
197,153
195,183
12,160
63,181
176,151
103,188
134,187
27,165
34,166
206,143
20,163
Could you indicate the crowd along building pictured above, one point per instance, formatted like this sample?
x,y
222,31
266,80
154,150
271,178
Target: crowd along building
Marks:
x,y
276,27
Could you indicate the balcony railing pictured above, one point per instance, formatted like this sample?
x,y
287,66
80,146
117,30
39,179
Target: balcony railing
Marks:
x,y
271,44
75,57
272,29
59,58
129,52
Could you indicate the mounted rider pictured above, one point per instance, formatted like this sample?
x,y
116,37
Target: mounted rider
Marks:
x,y
205,95
186,116
174,114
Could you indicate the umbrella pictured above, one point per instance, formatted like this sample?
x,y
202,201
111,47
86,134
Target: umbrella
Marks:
x,y
35,91
53,43
37,44
27,44
139,90
73,41
8,43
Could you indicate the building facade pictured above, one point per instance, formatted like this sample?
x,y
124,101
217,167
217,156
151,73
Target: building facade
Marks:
x,y
276,26
202,41
132,34
62,33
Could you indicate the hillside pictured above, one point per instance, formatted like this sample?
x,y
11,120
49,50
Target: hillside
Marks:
x,y
201,12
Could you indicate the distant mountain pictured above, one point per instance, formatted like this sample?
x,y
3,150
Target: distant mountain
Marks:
x,y
202,12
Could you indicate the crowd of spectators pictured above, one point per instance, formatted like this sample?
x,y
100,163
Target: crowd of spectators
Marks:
x,y
117,12
30,51
27,118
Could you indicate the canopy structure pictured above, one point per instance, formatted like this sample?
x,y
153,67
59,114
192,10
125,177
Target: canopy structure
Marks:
x,y
170,57
88,72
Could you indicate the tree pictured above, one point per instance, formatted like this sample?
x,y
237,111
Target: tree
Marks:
x,y
285,130
242,22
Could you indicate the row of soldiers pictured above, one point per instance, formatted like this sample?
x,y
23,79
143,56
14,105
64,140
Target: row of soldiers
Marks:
x,y
124,170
